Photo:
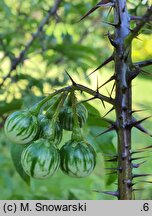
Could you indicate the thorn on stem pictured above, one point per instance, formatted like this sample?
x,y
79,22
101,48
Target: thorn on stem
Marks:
x,y
73,82
108,60
112,193
113,43
140,175
108,112
106,131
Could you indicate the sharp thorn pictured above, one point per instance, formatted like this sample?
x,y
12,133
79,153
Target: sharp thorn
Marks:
x,y
150,182
106,131
134,123
112,193
112,160
138,165
73,82
108,93
89,12
111,41
84,101
147,147
109,11
105,3
111,173
138,158
111,24
100,4
140,175
142,129
109,80
112,89
136,152
134,111
103,104
108,112
111,58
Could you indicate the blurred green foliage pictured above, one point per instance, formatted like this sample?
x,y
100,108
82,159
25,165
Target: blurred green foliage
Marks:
x,y
78,47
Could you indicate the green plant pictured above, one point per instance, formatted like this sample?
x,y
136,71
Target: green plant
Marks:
x,y
120,98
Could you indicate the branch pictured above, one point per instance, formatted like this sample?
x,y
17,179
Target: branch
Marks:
x,y
52,11
94,93
79,88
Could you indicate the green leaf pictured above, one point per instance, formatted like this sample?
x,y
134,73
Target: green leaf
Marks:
x,y
16,151
94,118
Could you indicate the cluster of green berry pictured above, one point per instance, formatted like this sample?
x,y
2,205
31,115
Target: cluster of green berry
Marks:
x,y
41,128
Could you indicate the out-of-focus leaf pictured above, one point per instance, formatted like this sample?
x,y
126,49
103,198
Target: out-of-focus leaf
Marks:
x,y
94,118
103,143
4,7
9,107
16,151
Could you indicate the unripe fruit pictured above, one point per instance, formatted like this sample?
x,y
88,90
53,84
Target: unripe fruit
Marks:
x,y
78,159
40,159
66,116
21,127
50,130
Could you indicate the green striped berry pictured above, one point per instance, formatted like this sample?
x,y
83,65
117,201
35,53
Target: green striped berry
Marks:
x,y
40,159
66,116
50,130
78,159
21,127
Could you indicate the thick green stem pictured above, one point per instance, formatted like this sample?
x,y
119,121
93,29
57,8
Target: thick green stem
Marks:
x,y
123,101
76,132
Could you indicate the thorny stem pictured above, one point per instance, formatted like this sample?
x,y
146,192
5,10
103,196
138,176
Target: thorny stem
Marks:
x,y
123,101
69,89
